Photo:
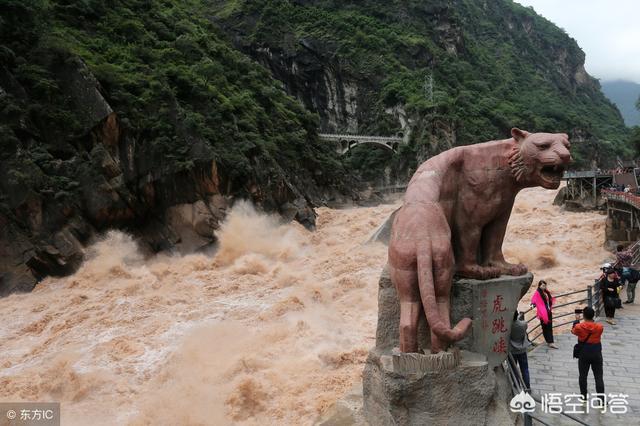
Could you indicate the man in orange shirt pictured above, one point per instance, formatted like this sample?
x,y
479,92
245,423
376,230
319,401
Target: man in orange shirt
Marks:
x,y
589,332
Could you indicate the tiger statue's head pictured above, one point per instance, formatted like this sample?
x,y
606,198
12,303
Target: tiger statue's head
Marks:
x,y
539,159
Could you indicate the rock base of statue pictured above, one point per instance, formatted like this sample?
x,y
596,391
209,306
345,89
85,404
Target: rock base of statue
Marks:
x,y
470,393
464,386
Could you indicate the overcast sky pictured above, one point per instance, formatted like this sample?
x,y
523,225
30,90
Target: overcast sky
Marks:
x,y
608,31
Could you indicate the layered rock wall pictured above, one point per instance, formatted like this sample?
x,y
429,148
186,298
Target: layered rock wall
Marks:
x,y
109,178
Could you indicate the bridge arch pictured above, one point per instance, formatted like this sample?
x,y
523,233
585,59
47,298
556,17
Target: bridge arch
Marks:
x,y
345,142
384,145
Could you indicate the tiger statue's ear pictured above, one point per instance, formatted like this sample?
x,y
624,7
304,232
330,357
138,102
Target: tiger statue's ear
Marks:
x,y
518,134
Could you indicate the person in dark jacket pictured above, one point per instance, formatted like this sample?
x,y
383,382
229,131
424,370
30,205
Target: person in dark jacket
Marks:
x,y
518,345
590,333
633,276
628,275
609,287
623,257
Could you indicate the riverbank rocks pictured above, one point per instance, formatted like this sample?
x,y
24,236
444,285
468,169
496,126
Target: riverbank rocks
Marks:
x,y
68,184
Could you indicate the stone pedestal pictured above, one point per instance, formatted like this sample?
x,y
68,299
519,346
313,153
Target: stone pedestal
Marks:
x,y
473,390
473,299
469,394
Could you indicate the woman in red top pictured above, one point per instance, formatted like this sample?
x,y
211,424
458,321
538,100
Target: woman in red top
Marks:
x,y
589,332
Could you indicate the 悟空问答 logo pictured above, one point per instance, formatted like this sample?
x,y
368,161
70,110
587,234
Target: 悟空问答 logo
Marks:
x,y
522,403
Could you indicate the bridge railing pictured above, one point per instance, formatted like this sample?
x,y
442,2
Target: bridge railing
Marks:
x,y
591,296
579,174
624,197
358,137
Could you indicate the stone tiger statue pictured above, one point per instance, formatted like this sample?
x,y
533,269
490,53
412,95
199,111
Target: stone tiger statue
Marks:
x,y
453,220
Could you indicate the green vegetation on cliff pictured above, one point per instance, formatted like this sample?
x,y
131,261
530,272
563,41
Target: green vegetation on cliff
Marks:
x,y
179,90
114,111
494,65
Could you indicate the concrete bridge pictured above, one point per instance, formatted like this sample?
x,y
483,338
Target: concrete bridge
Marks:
x,y
345,142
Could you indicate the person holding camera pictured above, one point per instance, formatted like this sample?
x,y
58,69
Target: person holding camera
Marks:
x,y
609,284
589,350
543,302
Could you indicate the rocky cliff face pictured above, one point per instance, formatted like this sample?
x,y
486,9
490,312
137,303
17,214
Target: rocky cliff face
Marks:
x,y
140,116
319,82
440,73
151,117
55,203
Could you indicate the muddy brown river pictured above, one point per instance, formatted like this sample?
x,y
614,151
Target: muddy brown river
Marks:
x,y
271,330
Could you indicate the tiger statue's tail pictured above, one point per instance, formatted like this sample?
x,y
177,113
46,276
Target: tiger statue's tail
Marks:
x,y
429,302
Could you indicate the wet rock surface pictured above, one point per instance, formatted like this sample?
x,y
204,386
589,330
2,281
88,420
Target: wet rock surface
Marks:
x,y
109,179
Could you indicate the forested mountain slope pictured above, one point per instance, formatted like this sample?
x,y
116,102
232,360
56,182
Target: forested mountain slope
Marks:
x,y
449,72
139,115
153,115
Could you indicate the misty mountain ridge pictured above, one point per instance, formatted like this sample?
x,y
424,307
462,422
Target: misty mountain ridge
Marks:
x,y
624,94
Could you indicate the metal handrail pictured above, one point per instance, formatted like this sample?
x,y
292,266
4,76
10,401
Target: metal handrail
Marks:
x,y
571,303
591,302
593,299
635,252
558,325
559,296
517,385
555,317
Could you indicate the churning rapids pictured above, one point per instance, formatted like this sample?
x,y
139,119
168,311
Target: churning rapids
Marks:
x,y
271,330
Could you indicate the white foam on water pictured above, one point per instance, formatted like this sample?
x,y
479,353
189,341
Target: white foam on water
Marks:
x,y
271,330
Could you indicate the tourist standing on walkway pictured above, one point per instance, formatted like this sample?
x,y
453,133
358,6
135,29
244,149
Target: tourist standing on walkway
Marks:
x,y
623,257
518,345
609,286
632,282
629,277
589,333
543,301
623,262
